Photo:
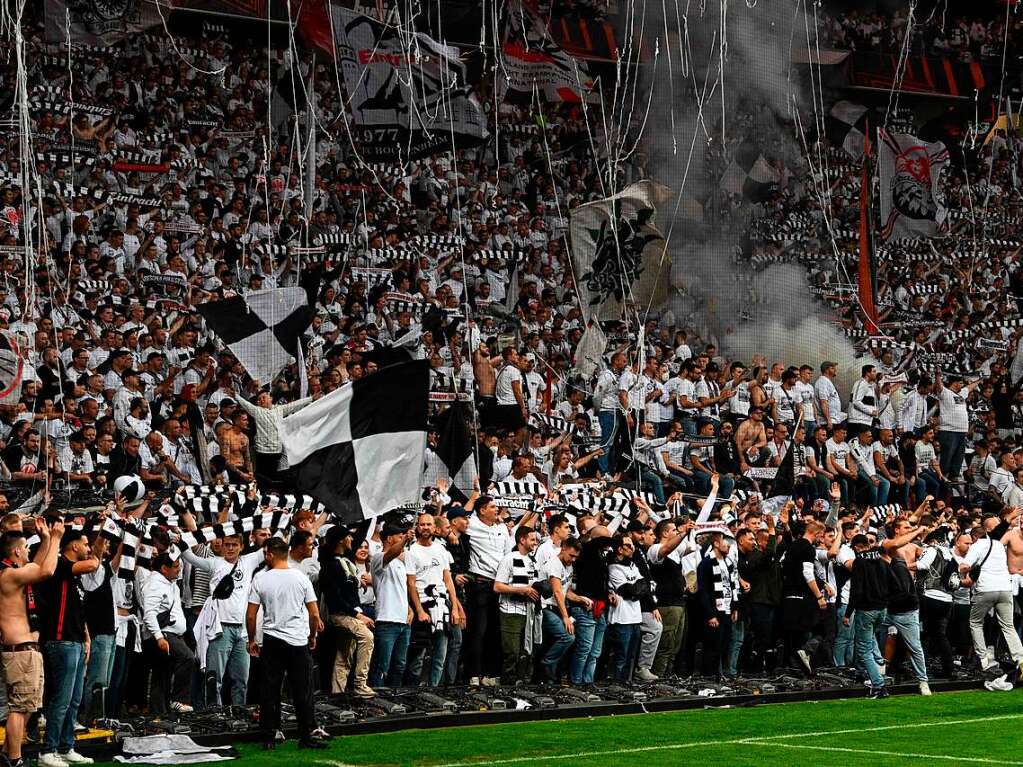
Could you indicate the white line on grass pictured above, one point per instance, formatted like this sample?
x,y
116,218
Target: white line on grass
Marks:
x,y
905,755
764,739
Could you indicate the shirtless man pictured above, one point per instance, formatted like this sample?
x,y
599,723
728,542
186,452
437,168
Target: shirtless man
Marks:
x,y
19,654
235,449
751,439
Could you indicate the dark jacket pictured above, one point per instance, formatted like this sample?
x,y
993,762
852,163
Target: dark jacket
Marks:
x,y
869,584
340,588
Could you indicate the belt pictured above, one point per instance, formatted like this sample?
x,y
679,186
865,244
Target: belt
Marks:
x,y
478,578
231,625
22,647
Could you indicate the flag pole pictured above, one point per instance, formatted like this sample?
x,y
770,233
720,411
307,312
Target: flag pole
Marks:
x,y
866,273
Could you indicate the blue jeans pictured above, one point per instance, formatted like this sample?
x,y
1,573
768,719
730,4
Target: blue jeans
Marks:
x,y
843,650
908,625
726,483
65,670
453,654
878,493
560,641
651,482
624,639
866,624
100,669
735,646
437,641
688,425
953,451
390,646
589,642
228,654
607,420
927,483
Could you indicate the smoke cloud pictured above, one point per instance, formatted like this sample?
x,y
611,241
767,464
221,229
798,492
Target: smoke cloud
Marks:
x,y
706,99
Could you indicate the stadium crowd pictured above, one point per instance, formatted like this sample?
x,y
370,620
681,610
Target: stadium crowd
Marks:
x,y
676,512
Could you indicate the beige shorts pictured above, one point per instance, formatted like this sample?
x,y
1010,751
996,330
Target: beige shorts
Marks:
x,y
23,673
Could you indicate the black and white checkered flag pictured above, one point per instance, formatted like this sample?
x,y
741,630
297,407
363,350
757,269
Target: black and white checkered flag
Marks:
x,y
360,450
262,328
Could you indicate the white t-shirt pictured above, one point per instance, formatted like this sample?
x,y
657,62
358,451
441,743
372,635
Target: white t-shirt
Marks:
x,y
555,568
427,564
838,451
391,586
826,392
508,375
994,574
487,546
284,594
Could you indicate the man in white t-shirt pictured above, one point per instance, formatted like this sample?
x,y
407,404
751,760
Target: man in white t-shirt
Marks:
x,y
291,621
225,655
435,605
827,396
558,626
992,590
391,632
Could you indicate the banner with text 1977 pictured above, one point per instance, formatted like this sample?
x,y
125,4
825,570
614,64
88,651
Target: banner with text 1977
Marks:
x,y
409,96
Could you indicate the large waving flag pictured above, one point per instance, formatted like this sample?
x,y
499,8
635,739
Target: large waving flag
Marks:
x,y
262,329
360,450
910,170
618,253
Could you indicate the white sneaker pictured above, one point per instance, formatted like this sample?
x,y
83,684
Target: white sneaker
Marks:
x,y
181,708
73,757
491,681
474,681
52,759
925,689
1001,684
646,675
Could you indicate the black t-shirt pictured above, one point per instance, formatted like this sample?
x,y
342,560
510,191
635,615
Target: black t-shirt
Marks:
x,y
61,614
99,605
591,569
794,582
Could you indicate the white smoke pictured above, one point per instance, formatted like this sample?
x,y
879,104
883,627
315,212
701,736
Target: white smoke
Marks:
x,y
753,94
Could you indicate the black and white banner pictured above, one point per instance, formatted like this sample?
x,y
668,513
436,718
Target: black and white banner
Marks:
x,y
360,450
408,92
99,22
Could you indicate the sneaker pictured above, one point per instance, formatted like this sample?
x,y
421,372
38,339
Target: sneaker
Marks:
x,y
278,736
181,708
925,689
491,681
320,734
877,693
474,681
804,658
52,759
73,757
645,675
364,692
1001,684
79,727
